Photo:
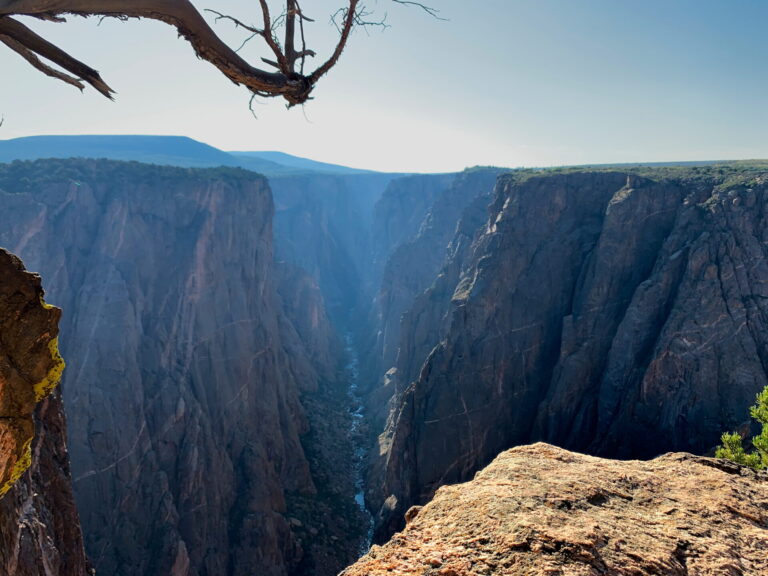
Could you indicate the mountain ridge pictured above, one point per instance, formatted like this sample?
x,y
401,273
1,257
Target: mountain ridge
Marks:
x,y
179,151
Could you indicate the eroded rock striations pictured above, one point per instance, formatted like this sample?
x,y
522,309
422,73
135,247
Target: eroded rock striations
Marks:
x,y
185,375
540,510
39,526
617,313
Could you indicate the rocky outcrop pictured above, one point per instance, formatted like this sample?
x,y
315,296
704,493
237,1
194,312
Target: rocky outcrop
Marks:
x,y
620,314
39,526
30,365
185,376
543,510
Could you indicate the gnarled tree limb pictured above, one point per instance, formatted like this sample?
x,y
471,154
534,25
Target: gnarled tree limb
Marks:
x,y
28,44
286,82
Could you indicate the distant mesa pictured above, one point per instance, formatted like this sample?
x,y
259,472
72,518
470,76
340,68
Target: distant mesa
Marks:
x,y
297,163
163,150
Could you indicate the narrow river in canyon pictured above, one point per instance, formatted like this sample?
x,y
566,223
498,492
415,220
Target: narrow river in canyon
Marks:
x,y
357,433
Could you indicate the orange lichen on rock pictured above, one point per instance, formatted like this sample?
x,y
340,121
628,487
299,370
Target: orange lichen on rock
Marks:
x,y
30,364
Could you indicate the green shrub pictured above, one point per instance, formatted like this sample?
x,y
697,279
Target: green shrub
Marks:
x,y
733,442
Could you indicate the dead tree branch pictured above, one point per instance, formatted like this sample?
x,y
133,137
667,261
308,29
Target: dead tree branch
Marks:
x,y
286,82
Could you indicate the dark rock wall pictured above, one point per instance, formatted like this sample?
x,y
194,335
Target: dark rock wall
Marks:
x,y
40,531
415,262
620,315
184,375
399,214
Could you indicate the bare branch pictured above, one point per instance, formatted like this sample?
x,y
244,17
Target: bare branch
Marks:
x,y
269,37
295,87
235,21
32,58
238,24
27,43
349,21
304,52
428,9
290,32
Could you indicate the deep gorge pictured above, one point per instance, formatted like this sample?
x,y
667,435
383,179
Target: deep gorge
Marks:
x,y
214,321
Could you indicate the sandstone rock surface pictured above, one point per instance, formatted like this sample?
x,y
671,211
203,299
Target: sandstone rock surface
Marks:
x,y
540,510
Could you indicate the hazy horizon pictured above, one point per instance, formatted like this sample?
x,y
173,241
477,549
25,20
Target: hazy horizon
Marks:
x,y
341,163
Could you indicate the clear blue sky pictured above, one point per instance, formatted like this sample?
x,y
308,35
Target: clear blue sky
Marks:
x,y
506,82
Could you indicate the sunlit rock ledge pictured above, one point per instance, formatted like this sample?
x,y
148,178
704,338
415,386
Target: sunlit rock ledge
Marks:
x,y
539,510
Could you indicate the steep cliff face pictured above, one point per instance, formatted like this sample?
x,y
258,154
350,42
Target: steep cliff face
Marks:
x,y
39,526
414,263
540,510
306,322
184,375
423,323
617,314
400,212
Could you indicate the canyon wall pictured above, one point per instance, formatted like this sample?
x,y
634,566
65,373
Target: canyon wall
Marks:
x,y
619,314
399,213
39,525
416,246
185,374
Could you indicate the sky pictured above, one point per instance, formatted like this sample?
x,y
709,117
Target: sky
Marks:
x,y
497,82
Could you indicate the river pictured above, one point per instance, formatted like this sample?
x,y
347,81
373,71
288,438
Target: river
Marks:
x,y
357,434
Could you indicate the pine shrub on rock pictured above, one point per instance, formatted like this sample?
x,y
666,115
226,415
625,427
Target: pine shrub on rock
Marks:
x,y
733,443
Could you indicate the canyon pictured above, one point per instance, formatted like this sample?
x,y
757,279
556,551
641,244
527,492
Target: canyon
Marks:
x,y
248,357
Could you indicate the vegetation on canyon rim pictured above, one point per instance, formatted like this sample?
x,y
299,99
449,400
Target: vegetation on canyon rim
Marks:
x,y
733,442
